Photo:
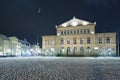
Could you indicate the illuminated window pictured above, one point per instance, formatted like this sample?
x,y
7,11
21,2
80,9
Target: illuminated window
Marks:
x,y
74,41
100,40
107,40
62,41
68,41
81,41
88,40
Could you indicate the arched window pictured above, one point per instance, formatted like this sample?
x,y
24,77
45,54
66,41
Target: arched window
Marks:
x,y
81,50
101,51
88,40
62,50
108,51
88,50
68,50
62,41
74,50
107,40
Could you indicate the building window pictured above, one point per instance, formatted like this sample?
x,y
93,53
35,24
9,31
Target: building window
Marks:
x,y
81,50
81,41
88,40
74,50
74,31
61,32
74,41
53,42
62,41
88,31
88,50
68,50
68,41
70,31
107,40
47,42
100,40
77,31
65,32
81,31
62,50
84,30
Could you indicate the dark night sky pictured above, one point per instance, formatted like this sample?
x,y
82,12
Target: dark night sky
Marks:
x,y
20,18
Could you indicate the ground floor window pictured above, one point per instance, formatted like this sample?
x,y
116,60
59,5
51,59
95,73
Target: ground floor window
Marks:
x,y
81,50
88,50
74,50
62,50
68,50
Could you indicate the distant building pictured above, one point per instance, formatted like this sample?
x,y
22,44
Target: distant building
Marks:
x,y
4,45
12,46
35,49
78,37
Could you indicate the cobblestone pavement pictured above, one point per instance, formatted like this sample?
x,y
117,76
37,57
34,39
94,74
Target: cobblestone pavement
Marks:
x,y
45,68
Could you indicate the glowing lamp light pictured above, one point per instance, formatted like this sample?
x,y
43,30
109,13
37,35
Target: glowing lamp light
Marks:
x,y
92,32
84,23
9,50
96,48
58,34
74,23
64,25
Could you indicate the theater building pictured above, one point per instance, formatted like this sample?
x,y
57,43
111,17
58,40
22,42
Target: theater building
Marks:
x,y
78,37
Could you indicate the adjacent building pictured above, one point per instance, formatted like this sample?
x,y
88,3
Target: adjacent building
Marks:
x,y
12,46
78,37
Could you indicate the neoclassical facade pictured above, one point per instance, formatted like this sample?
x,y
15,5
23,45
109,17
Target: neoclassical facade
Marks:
x,y
78,37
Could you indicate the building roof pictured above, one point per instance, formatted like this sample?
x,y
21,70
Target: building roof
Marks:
x,y
4,37
75,22
24,42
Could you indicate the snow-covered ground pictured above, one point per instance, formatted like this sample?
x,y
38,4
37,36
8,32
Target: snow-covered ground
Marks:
x,y
60,68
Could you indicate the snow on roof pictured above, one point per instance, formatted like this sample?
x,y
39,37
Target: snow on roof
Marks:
x,y
75,22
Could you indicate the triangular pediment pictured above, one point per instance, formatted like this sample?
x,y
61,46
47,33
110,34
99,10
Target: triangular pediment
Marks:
x,y
75,22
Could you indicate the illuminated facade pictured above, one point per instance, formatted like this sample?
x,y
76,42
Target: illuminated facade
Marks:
x,y
4,45
12,46
78,37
